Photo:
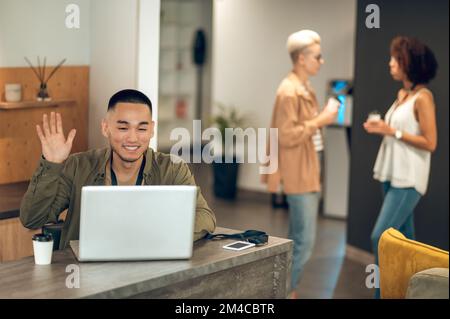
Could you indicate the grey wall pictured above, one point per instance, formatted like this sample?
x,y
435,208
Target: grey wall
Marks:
x,y
374,89
37,28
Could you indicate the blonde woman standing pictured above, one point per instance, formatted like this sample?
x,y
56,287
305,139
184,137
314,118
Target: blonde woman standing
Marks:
x,y
297,118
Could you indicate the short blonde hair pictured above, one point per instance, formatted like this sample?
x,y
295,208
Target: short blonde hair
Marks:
x,y
299,41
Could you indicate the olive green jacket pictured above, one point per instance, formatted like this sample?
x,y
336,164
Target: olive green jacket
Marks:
x,y
56,187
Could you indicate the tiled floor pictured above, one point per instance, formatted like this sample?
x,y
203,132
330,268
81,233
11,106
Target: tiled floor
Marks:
x,y
328,274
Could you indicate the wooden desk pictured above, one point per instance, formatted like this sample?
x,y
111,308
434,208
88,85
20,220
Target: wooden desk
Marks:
x,y
212,272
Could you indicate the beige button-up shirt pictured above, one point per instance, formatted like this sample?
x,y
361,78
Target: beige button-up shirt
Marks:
x,y
298,165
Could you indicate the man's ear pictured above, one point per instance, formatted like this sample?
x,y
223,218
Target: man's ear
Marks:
x,y
152,129
104,128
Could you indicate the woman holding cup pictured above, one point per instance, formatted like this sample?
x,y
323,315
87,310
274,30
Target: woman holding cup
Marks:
x,y
409,137
298,120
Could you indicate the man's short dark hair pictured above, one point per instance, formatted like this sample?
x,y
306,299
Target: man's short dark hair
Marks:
x,y
129,96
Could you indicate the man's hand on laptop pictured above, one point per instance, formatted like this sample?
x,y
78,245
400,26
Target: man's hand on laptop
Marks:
x,y
55,147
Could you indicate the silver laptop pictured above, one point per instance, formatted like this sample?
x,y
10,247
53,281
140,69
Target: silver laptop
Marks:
x,y
136,223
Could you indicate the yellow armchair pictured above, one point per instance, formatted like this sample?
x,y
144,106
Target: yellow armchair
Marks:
x,y
400,258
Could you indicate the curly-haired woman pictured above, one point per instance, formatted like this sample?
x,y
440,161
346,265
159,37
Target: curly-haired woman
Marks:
x,y
410,136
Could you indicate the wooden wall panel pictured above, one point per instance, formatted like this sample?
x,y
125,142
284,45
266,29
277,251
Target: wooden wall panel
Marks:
x,y
19,145
15,240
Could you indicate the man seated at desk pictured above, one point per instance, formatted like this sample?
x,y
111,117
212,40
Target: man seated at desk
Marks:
x,y
128,126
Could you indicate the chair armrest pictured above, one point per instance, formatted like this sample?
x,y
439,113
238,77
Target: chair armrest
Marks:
x,y
429,284
55,230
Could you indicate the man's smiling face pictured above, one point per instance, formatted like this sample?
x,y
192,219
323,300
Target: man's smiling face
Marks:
x,y
129,128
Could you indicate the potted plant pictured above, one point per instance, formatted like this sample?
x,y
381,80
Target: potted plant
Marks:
x,y
226,174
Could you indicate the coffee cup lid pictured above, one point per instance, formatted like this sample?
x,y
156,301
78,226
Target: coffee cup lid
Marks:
x,y
43,237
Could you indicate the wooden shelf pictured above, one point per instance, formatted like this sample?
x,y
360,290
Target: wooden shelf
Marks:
x,y
33,104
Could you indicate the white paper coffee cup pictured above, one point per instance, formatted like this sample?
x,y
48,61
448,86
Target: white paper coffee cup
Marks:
x,y
43,249
333,104
374,117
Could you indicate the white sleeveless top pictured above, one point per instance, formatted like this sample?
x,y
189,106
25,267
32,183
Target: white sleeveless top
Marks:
x,y
398,162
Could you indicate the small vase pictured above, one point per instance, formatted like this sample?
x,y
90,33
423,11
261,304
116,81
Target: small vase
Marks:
x,y
43,93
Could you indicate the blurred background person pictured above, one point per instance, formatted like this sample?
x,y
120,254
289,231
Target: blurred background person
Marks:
x,y
409,137
296,115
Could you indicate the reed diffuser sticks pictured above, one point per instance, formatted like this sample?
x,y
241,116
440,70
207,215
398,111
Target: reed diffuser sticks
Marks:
x,y
40,74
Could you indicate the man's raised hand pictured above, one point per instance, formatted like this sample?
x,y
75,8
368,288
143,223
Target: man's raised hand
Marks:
x,y
55,147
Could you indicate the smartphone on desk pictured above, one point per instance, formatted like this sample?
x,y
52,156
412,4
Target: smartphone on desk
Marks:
x,y
239,245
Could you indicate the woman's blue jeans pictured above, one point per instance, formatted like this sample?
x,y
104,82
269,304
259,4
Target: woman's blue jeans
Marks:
x,y
303,210
397,211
